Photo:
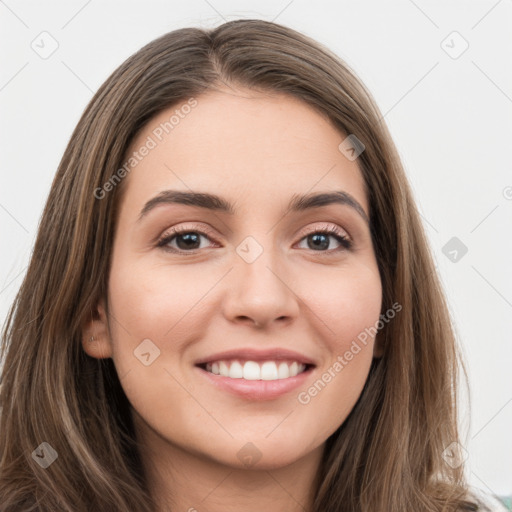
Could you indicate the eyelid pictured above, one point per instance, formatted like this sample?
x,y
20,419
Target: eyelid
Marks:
x,y
328,228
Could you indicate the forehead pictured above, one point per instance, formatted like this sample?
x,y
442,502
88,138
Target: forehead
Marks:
x,y
242,143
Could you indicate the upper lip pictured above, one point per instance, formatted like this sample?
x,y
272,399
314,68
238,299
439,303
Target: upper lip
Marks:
x,y
252,354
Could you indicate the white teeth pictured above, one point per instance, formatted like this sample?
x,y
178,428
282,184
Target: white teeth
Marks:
x,y
235,371
283,371
223,368
252,370
268,371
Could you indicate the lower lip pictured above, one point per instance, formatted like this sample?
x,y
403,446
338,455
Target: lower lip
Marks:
x,y
257,389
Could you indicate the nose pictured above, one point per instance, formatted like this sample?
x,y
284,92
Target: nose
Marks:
x,y
261,293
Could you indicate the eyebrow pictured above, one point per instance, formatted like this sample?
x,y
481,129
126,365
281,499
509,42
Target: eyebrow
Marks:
x,y
298,203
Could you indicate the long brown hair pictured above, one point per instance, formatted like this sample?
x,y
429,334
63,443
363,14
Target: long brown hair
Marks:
x,y
387,455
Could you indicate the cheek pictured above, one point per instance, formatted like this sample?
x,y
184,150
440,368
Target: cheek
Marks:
x,y
347,301
160,304
348,306
156,301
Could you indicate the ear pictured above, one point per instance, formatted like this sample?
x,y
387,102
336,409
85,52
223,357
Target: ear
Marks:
x,y
96,340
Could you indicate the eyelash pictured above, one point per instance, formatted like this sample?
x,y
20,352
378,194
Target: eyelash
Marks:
x,y
345,242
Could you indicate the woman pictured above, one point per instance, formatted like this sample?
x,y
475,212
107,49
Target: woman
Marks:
x,y
231,301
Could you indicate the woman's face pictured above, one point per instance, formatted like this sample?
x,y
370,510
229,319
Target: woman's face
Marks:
x,y
251,278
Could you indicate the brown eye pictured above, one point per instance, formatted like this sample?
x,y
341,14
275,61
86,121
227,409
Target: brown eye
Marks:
x,y
319,240
185,239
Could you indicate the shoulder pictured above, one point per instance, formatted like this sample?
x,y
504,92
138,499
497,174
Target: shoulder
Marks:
x,y
489,502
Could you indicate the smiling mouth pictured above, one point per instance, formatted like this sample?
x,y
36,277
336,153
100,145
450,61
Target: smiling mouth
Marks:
x,y
252,370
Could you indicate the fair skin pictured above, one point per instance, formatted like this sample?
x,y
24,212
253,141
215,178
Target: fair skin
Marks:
x,y
256,151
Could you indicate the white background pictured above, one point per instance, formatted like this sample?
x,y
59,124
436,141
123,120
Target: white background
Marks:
x,y
451,119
